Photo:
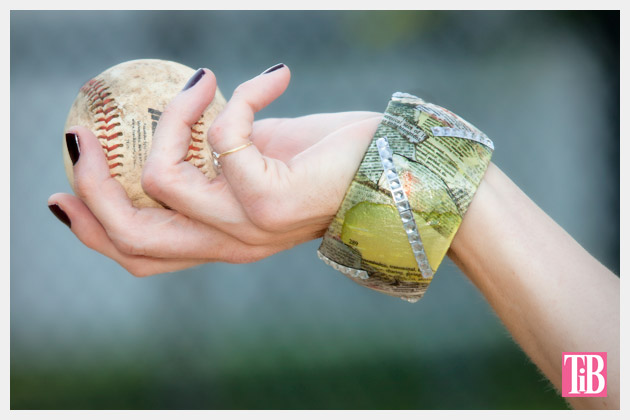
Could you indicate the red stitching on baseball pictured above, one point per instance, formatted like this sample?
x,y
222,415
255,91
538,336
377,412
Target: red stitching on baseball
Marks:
x,y
108,119
97,94
108,127
192,154
104,111
109,149
108,138
104,102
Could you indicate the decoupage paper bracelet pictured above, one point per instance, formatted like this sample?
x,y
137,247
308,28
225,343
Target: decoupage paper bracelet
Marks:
x,y
407,199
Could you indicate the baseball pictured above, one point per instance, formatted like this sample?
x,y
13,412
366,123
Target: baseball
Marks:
x,y
122,107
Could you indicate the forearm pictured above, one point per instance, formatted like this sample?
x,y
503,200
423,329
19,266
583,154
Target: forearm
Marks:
x,y
549,292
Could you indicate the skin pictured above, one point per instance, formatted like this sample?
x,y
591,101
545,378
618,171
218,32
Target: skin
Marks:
x,y
284,191
550,293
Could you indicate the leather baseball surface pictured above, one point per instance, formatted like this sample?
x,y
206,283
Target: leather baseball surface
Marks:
x,y
122,107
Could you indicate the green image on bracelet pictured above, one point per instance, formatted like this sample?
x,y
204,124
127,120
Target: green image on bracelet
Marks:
x,y
407,199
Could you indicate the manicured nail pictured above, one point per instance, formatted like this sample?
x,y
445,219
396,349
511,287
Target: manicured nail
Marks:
x,y
72,143
194,79
61,215
273,68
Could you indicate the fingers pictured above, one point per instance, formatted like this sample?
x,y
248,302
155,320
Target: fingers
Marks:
x,y
89,231
154,232
248,171
166,176
170,180
172,136
150,240
93,182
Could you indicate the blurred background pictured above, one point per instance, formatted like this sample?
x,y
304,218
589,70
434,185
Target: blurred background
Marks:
x,y
290,332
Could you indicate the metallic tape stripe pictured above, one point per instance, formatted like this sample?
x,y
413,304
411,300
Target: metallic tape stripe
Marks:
x,y
464,134
402,204
352,272
410,131
404,95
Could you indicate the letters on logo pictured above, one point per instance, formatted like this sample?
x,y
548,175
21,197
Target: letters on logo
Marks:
x,y
584,374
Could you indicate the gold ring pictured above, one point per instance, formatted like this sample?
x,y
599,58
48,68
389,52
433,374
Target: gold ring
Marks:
x,y
216,155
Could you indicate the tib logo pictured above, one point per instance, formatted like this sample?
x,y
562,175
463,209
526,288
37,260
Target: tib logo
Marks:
x,y
584,374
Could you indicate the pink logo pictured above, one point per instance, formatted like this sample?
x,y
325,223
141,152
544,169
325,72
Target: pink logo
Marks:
x,y
584,374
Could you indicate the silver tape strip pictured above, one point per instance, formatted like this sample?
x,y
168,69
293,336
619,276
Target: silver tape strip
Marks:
x,y
404,95
352,272
410,131
464,134
402,205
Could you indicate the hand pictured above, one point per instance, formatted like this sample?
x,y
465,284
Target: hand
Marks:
x,y
282,191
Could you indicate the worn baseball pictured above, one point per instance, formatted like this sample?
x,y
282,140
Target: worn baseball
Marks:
x,y
122,107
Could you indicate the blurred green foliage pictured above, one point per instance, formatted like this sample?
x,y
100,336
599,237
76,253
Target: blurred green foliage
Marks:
x,y
500,379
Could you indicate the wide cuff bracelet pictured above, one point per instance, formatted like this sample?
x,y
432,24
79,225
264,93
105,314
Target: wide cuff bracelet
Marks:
x,y
407,199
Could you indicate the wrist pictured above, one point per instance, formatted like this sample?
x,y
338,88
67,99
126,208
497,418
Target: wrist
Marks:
x,y
476,223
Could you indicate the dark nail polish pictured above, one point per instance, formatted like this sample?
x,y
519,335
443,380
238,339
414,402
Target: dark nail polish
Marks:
x,y
61,215
273,68
194,79
72,143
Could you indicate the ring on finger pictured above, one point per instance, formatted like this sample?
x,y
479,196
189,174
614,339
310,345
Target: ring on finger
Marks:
x,y
216,155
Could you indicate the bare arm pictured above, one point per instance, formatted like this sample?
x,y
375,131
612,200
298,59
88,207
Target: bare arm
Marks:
x,y
550,293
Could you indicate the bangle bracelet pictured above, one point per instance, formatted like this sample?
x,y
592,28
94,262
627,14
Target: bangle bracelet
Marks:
x,y
407,199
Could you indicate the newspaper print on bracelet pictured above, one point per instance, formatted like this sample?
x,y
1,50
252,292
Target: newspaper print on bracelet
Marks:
x,y
407,199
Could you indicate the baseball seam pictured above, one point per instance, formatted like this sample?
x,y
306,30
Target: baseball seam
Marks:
x,y
196,146
107,119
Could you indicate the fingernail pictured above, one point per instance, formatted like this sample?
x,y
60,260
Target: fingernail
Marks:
x,y
273,68
194,79
72,143
61,215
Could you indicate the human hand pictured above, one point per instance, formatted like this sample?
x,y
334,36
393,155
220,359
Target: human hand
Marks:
x,y
282,191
